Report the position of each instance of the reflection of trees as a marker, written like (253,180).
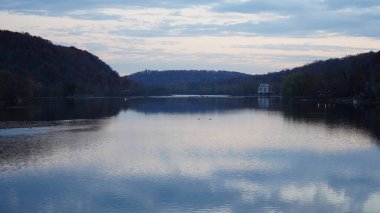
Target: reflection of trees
(64,109)
(199,105)
(21,150)
(365,117)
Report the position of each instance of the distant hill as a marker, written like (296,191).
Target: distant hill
(187,82)
(349,77)
(175,77)
(32,66)
(200,82)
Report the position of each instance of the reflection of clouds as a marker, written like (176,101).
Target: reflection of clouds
(46,147)
(150,164)
(308,194)
(139,160)
(267,161)
(373,203)
(161,145)
(293,193)
(222,209)
(332,196)
(244,130)
(248,189)
(317,193)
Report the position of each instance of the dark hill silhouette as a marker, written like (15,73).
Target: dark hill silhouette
(351,77)
(174,77)
(355,76)
(188,82)
(32,66)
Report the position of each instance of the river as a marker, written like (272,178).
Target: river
(189,154)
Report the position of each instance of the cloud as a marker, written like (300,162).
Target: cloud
(62,7)
(250,36)
(311,17)
(372,204)
(338,4)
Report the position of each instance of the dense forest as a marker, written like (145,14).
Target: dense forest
(352,77)
(200,82)
(175,77)
(356,77)
(150,82)
(34,67)
(31,66)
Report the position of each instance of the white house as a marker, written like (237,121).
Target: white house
(264,88)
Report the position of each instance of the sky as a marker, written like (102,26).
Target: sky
(251,36)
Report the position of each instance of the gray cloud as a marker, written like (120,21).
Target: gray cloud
(356,18)
(306,18)
(338,4)
(292,19)
(61,7)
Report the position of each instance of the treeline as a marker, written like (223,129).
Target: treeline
(13,86)
(175,77)
(151,82)
(200,82)
(31,66)
(34,67)
(355,77)
(351,77)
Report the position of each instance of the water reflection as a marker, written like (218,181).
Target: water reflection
(365,118)
(186,155)
(197,105)
(63,109)
(25,148)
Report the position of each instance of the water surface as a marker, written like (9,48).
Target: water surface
(212,154)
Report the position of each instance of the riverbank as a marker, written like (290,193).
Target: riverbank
(348,100)
(35,124)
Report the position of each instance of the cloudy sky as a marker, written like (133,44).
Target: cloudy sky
(252,36)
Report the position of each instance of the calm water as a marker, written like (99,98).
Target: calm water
(189,155)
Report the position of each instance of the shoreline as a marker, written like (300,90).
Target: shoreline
(33,124)
(350,100)
(27,124)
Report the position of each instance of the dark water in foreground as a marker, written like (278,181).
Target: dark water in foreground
(190,155)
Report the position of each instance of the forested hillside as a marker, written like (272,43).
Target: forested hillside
(175,77)
(352,76)
(34,67)
(31,66)
(190,82)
